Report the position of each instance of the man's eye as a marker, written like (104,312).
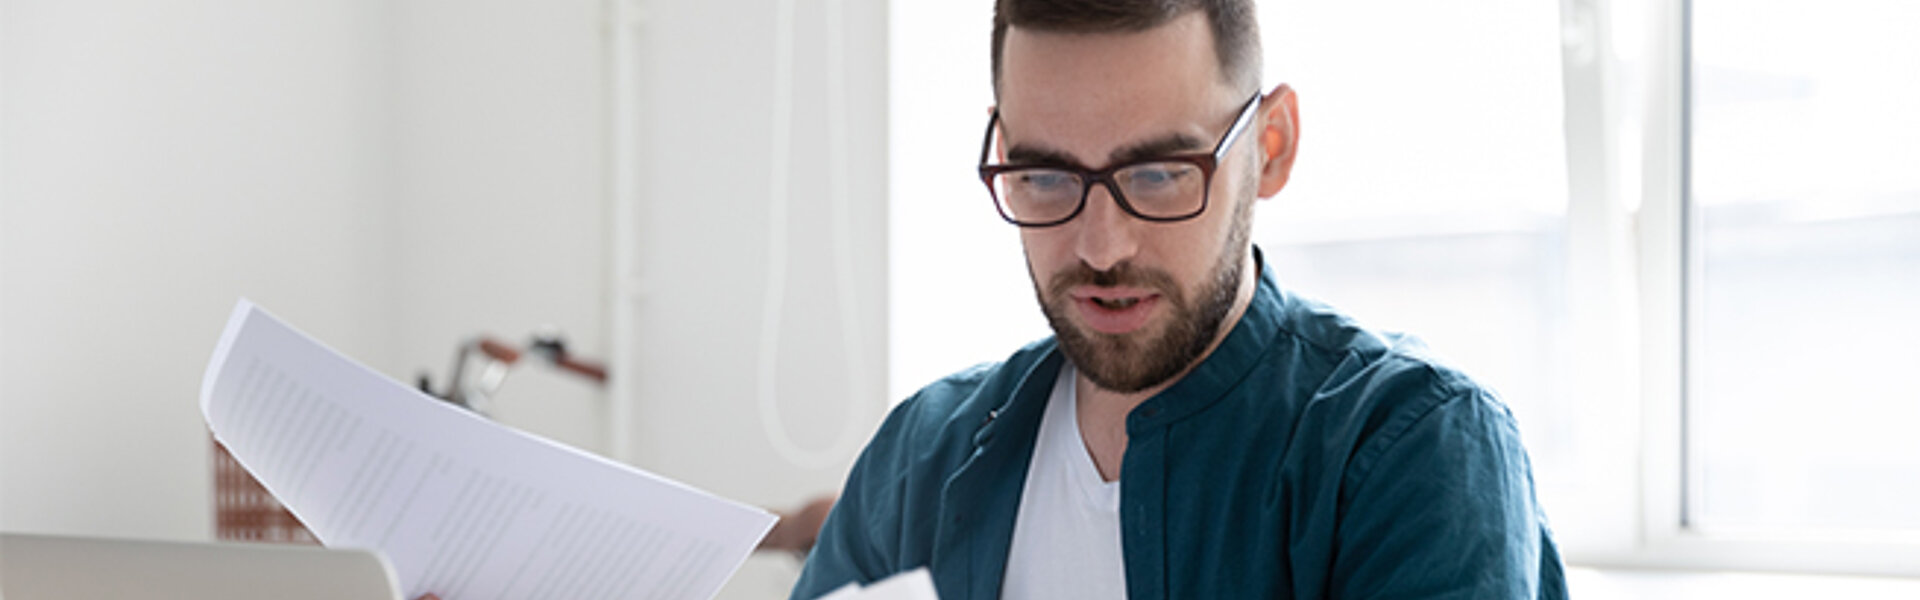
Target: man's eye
(1155,176)
(1043,180)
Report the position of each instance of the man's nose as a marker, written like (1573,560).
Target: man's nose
(1106,235)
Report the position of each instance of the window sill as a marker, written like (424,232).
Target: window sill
(1589,583)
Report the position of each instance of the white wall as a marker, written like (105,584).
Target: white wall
(390,177)
(500,171)
(704,234)
(708,247)
(162,159)
(394,177)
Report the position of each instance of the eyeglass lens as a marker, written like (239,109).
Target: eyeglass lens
(1160,190)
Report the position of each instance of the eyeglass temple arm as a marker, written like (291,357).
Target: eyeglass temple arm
(1240,125)
(986,146)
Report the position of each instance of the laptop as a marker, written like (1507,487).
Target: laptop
(44,567)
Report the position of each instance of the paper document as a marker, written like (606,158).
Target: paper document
(463,507)
(911,585)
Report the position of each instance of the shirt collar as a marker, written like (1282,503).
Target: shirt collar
(1229,362)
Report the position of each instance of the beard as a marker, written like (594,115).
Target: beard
(1139,360)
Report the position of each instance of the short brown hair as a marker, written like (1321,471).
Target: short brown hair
(1236,31)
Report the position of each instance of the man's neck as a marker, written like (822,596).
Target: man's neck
(1102,413)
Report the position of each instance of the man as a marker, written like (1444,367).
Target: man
(1191,430)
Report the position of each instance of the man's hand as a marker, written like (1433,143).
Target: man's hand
(797,529)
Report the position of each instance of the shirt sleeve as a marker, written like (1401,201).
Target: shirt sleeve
(1442,506)
(859,541)
(844,552)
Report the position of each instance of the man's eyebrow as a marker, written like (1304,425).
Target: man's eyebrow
(1166,145)
(1021,154)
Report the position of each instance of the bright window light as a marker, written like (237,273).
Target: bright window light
(1806,194)
(1430,192)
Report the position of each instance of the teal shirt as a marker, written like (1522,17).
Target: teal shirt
(1304,458)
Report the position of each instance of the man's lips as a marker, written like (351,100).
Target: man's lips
(1088,292)
(1114,310)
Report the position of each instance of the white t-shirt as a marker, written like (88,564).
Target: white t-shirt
(1066,541)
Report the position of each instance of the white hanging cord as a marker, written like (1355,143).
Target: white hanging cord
(778,244)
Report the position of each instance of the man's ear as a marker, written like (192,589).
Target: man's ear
(1279,135)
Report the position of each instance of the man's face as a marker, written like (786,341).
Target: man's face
(1133,302)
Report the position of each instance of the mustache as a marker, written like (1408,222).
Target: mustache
(1121,274)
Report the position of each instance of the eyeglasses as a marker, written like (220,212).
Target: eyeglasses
(1160,189)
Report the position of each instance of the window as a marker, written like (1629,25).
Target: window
(1430,192)
(1805,201)
(1764,148)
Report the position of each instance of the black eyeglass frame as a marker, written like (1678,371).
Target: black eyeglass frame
(1207,162)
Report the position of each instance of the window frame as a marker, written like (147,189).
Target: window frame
(1661,237)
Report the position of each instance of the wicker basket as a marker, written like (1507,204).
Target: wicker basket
(245,511)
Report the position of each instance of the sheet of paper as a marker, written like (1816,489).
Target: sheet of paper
(911,585)
(463,507)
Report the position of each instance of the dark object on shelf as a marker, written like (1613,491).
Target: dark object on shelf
(481,364)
